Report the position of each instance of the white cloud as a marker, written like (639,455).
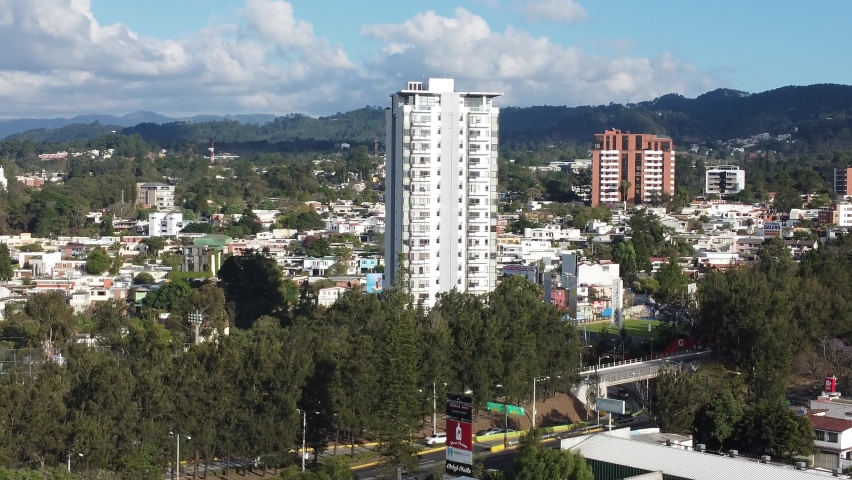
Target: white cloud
(529,70)
(59,60)
(557,11)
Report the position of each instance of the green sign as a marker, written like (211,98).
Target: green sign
(499,407)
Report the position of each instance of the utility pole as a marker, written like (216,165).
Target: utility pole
(304,434)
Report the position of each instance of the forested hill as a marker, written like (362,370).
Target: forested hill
(821,113)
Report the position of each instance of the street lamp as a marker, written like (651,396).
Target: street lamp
(69,460)
(601,358)
(196,318)
(177,455)
(304,434)
(505,416)
(435,409)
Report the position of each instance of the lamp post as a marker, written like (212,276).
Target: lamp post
(177,454)
(536,380)
(601,358)
(304,435)
(505,417)
(196,318)
(435,409)
(69,460)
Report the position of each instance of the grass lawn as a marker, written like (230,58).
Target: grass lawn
(634,327)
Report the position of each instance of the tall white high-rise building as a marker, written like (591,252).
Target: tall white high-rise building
(441,189)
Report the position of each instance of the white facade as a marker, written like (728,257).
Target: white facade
(327,296)
(441,189)
(4,183)
(155,195)
(161,224)
(724,180)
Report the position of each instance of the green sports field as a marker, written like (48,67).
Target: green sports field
(634,327)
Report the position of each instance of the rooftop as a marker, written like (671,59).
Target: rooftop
(681,463)
(830,424)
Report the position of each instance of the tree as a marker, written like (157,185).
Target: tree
(154,244)
(166,296)
(679,395)
(6,271)
(115,264)
(144,278)
(252,281)
(786,199)
(535,461)
(624,186)
(672,282)
(625,256)
(97,262)
(399,412)
(717,421)
(770,427)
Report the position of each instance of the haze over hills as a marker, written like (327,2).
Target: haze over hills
(818,112)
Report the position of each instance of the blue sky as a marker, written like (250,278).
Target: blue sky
(322,56)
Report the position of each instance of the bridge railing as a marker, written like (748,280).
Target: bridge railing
(679,353)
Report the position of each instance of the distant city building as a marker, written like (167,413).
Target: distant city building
(724,180)
(839,214)
(155,195)
(4,183)
(645,161)
(53,156)
(199,258)
(842,186)
(162,224)
(441,189)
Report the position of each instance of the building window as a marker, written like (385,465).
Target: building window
(832,437)
(638,142)
(625,142)
(820,435)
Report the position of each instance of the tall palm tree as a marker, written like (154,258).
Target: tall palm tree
(624,187)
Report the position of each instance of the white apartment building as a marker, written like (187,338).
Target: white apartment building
(163,224)
(155,195)
(441,189)
(724,180)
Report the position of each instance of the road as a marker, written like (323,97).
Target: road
(498,460)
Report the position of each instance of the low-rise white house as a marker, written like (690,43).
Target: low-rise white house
(327,296)
(162,224)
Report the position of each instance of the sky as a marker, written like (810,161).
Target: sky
(318,57)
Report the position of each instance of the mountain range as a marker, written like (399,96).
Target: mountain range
(816,113)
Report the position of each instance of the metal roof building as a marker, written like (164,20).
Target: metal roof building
(614,458)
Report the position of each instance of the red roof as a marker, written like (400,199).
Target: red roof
(830,424)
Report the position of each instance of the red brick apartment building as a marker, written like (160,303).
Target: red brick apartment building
(644,160)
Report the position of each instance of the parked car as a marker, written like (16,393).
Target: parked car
(489,431)
(436,438)
(623,393)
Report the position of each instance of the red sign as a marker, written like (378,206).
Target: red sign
(829,386)
(459,435)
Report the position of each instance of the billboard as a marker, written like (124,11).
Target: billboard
(374,283)
(459,430)
(610,405)
(459,408)
(772,229)
(459,456)
(528,271)
(459,435)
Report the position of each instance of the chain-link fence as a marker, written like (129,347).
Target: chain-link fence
(26,361)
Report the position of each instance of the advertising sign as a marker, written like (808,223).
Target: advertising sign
(610,405)
(459,456)
(830,385)
(499,407)
(459,435)
(772,229)
(459,408)
(457,468)
(374,283)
